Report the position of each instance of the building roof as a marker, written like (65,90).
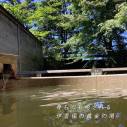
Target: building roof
(16,21)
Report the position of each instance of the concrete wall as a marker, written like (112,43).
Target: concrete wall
(103,82)
(15,40)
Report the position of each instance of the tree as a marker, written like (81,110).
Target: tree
(21,10)
(54,27)
(73,29)
(101,32)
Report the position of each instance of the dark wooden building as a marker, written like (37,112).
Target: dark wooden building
(18,46)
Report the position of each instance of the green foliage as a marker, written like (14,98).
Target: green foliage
(70,29)
(20,10)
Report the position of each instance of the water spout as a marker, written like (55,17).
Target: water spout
(93,70)
(5,78)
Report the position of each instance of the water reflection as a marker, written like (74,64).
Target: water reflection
(62,107)
(7,110)
(6,103)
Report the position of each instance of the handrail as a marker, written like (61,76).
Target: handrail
(92,71)
(56,71)
(115,69)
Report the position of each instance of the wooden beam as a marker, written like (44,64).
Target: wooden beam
(8,58)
